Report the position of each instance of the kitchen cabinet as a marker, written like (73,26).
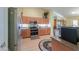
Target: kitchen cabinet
(48,31)
(45,21)
(26,20)
(25,33)
(44,31)
(41,32)
(40,21)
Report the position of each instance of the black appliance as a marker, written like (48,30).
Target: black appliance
(70,34)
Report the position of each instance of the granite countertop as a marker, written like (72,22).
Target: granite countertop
(66,43)
(38,28)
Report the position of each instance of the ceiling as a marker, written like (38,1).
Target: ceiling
(67,11)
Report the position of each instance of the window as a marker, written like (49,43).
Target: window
(75,23)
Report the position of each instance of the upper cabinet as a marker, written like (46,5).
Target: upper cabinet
(27,20)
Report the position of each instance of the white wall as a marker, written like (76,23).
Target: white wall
(3,28)
(69,20)
(33,12)
(58,15)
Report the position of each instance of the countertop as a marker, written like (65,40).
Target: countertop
(38,28)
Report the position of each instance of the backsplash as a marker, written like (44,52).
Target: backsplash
(26,26)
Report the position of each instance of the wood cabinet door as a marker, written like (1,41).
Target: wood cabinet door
(41,32)
(45,21)
(48,31)
(40,21)
(44,31)
(26,20)
(25,33)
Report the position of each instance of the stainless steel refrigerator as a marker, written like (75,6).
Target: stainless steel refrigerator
(13,29)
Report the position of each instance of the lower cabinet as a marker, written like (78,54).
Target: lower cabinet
(44,31)
(25,33)
(41,32)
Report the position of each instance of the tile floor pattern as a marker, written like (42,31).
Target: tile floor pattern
(31,45)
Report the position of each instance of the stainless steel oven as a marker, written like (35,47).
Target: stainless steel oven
(33,29)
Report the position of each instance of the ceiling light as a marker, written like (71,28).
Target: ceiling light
(73,12)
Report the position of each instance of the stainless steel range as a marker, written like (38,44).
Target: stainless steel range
(33,29)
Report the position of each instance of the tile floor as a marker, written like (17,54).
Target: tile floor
(31,45)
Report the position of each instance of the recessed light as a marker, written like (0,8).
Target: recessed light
(73,12)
